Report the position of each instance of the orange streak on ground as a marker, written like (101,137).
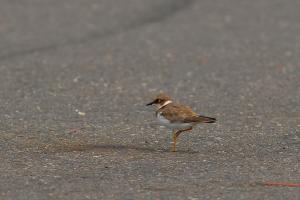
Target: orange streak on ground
(280,184)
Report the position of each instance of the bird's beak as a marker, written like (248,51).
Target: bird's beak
(148,104)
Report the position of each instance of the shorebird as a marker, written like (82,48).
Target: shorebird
(177,117)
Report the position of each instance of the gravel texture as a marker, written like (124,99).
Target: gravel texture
(75,76)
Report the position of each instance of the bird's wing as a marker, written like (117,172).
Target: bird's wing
(179,113)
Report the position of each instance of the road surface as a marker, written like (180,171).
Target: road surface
(75,77)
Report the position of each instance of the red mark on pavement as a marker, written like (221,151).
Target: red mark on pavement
(281,184)
(203,60)
(281,68)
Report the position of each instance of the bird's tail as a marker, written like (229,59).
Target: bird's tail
(207,119)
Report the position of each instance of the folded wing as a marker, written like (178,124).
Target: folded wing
(180,113)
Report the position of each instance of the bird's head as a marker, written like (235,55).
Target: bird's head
(160,100)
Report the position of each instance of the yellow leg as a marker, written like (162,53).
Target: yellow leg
(174,141)
(175,136)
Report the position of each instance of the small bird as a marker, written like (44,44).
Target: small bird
(177,117)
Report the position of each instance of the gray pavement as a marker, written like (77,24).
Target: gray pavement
(75,76)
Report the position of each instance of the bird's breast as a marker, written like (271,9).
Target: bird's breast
(172,125)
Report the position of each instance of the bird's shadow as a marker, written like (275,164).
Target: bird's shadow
(113,148)
(138,148)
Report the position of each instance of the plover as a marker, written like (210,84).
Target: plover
(177,117)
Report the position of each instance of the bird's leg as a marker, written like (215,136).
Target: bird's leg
(175,135)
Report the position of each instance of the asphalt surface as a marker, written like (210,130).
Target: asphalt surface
(75,77)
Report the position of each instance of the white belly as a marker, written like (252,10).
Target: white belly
(174,126)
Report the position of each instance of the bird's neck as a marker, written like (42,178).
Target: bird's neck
(164,104)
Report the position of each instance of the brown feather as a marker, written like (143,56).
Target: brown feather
(206,119)
(179,113)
